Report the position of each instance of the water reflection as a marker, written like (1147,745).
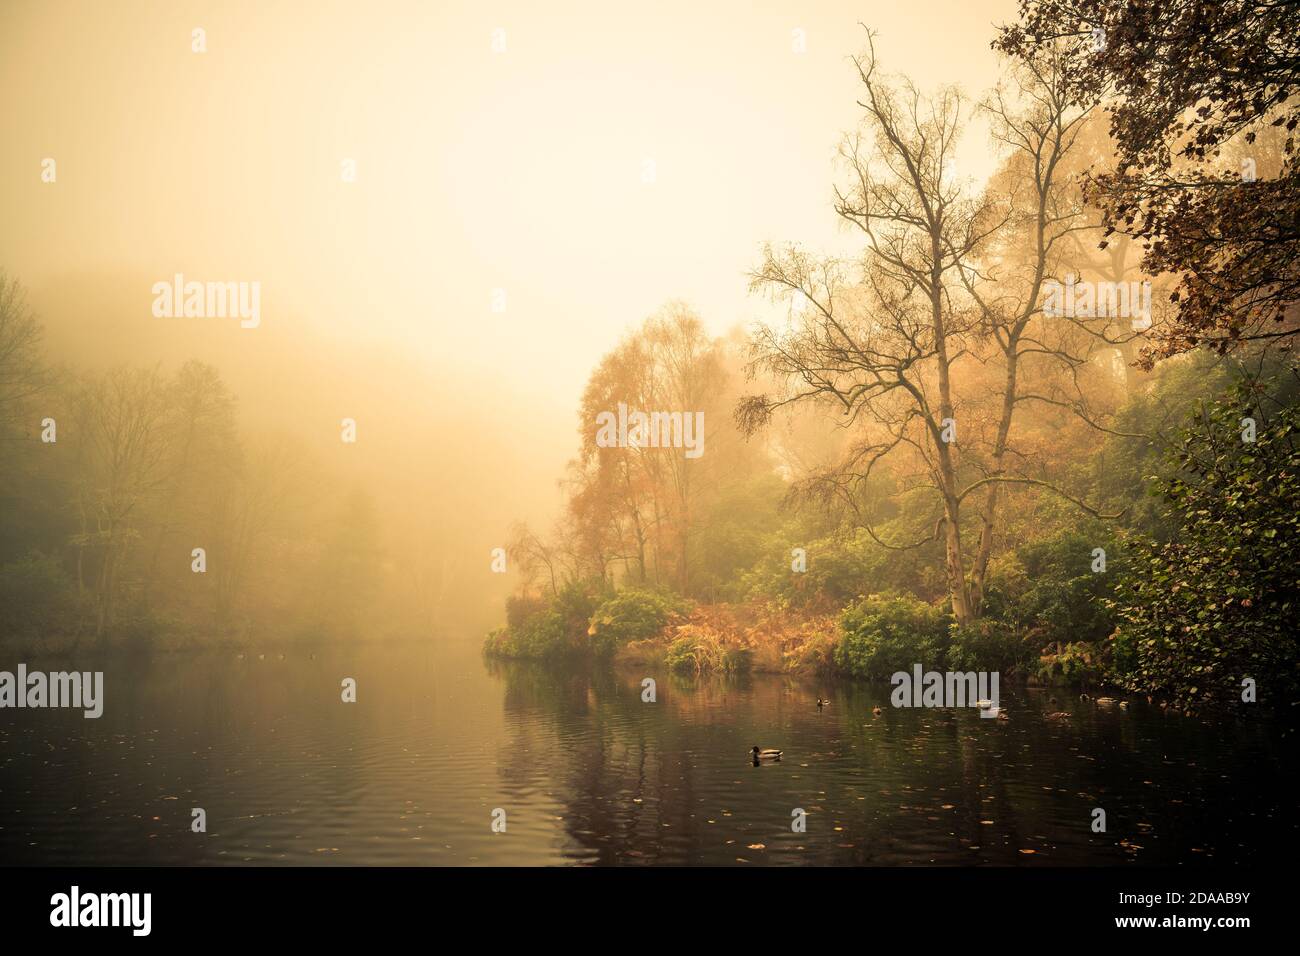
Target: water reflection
(588,772)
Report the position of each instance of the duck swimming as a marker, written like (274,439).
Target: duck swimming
(822,703)
(876,711)
(764,754)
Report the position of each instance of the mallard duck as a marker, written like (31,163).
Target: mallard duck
(764,754)
(1123,705)
(822,703)
(876,711)
(1002,715)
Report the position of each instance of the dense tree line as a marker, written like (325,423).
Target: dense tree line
(114,480)
(967,463)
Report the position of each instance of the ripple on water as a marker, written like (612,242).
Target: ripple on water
(587,773)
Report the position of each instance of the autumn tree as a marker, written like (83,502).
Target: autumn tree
(943,312)
(882,344)
(635,503)
(1190,85)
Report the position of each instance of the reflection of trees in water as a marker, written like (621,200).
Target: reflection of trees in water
(606,762)
(632,775)
(627,771)
(635,779)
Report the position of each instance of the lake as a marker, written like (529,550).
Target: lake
(587,773)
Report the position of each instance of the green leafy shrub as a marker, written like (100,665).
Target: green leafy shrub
(545,635)
(497,642)
(988,645)
(631,615)
(836,565)
(1065,599)
(1077,662)
(555,629)
(521,607)
(576,602)
(885,633)
(540,636)
(1220,601)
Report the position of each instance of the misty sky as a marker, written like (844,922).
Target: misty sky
(476,170)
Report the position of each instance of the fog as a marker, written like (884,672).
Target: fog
(449,225)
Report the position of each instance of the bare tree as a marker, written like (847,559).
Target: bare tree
(22,373)
(1039,208)
(122,423)
(883,346)
(533,556)
(948,287)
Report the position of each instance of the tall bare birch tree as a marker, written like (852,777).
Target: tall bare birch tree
(900,341)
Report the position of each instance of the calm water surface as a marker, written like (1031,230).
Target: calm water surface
(588,773)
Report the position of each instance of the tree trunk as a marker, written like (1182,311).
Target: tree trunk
(980,570)
(955,564)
